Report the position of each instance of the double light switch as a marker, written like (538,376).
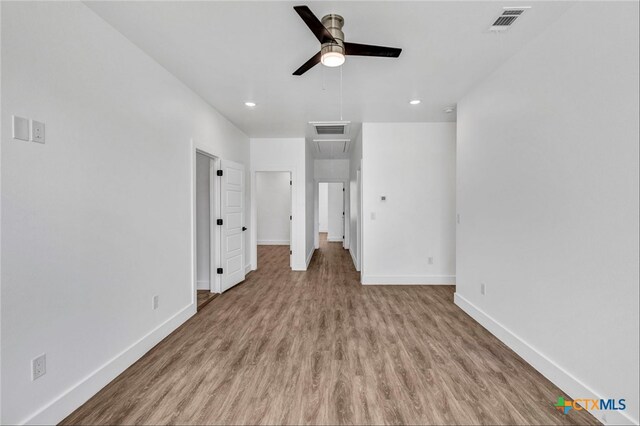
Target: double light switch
(28,130)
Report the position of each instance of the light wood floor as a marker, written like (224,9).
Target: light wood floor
(316,347)
(204,297)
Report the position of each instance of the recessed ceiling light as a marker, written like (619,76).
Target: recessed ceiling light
(449,110)
(415,101)
(250,104)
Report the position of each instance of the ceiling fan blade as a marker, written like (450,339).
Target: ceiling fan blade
(320,31)
(315,59)
(369,50)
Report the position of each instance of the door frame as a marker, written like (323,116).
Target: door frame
(215,246)
(254,212)
(359,220)
(345,206)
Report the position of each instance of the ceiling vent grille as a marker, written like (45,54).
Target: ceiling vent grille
(331,127)
(507,18)
(330,130)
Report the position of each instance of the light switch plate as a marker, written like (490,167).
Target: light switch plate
(37,131)
(20,128)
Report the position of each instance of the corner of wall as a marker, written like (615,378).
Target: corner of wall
(55,411)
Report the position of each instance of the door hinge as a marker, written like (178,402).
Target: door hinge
(290,217)
(342,189)
(219,173)
(219,222)
(290,252)
(219,271)
(290,182)
(244,228)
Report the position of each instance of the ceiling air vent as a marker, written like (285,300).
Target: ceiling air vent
(508,17)
(331,127)
(332,147)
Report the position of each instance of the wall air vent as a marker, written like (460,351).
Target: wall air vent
(331,127)
(508,17)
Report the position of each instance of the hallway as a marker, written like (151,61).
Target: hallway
(316,347)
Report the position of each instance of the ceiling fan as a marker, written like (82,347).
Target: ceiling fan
(333,47)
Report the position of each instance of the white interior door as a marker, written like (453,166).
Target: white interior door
(291,220)
(344,227)
(232,212)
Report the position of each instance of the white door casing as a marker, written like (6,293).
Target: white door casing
(232,214)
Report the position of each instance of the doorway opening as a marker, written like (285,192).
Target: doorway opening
(274,216)
(219,226)
(331,212)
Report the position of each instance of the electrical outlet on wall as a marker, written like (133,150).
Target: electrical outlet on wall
(38,367)
(37,131)
(483,289)
(154,302)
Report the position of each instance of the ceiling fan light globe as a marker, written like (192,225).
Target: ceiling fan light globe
(332,59)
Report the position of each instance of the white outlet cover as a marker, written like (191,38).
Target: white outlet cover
(37,131)
(20,128)
(39,367)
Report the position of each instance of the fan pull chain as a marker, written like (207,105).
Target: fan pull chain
(340,93)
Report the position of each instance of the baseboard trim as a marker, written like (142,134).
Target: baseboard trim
(552,371)
(408,279)
(273,242)
(203,285)
(63,405)
(247,269)
(309,257)
(353,258)
(334,239)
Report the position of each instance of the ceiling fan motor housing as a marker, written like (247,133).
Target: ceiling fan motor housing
(334,24)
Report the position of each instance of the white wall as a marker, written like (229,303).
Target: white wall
(355,206)
(548,198)
(323,207)
(203,220)
(413,165)
(310,203)
(273,196)
(331,169)
(1,133)
(287,154)
(335,207)
(100,218)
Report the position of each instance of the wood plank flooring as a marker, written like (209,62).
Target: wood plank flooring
(204,297)
(316,347)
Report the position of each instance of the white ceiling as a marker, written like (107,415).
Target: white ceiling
(232,52)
